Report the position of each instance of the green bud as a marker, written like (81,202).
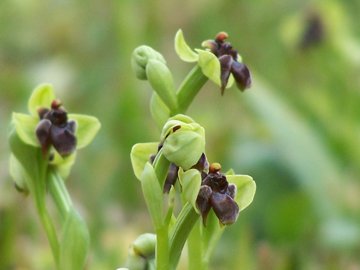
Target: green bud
(140,58)
(135,262)
(144,245)
(160,78)
(184,142)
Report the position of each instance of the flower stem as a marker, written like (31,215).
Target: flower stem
(182,228)
(196,249)
(161,167)
(189,88)
(162,248)
(59,193)
(39,198)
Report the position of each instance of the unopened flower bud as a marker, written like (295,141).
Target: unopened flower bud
(140,58)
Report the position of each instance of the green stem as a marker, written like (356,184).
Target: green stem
(189,88)
(196,250)
(162,248)
(182,228)
(40,202)
(161,167)
(59,193)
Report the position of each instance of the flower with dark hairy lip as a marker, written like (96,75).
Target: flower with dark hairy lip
(55,130)
(229,62)
(216,193)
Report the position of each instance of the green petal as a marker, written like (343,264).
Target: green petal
(25,126)
(230,81)
(182,48)
(140,155)
(74,243)
(86,130)
(153,194)
(190,181)
(41,97)
(63,164)
(210,65)
(246,188)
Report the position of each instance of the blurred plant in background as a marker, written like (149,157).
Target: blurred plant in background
(296,131)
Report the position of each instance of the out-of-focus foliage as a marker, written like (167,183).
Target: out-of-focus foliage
(296,131)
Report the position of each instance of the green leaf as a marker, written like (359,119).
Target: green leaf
(18,173)
(161,80)
(246,188)
(153,194)
(190,181)
(25,126)
(86,130)
(41,97)
(210,65)
(182,48)
(159,111)
(140,155)
(74,243)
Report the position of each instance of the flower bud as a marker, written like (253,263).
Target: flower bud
(140,58)
(144,245)
(160,78)
(184,143)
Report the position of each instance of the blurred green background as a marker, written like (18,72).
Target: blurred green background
(296,131)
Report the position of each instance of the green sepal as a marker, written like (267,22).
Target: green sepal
(140,155)
(210,65)
(41,97)
(25,126)
(159,111)
(74,243)
(161,80)
(18,174)
(86,129)
(153,194)
(29,156)
(182,48)
(245,189)
(190,181)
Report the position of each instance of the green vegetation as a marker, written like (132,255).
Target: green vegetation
(295,131)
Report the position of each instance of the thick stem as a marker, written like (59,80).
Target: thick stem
(182,228)
(189,88)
